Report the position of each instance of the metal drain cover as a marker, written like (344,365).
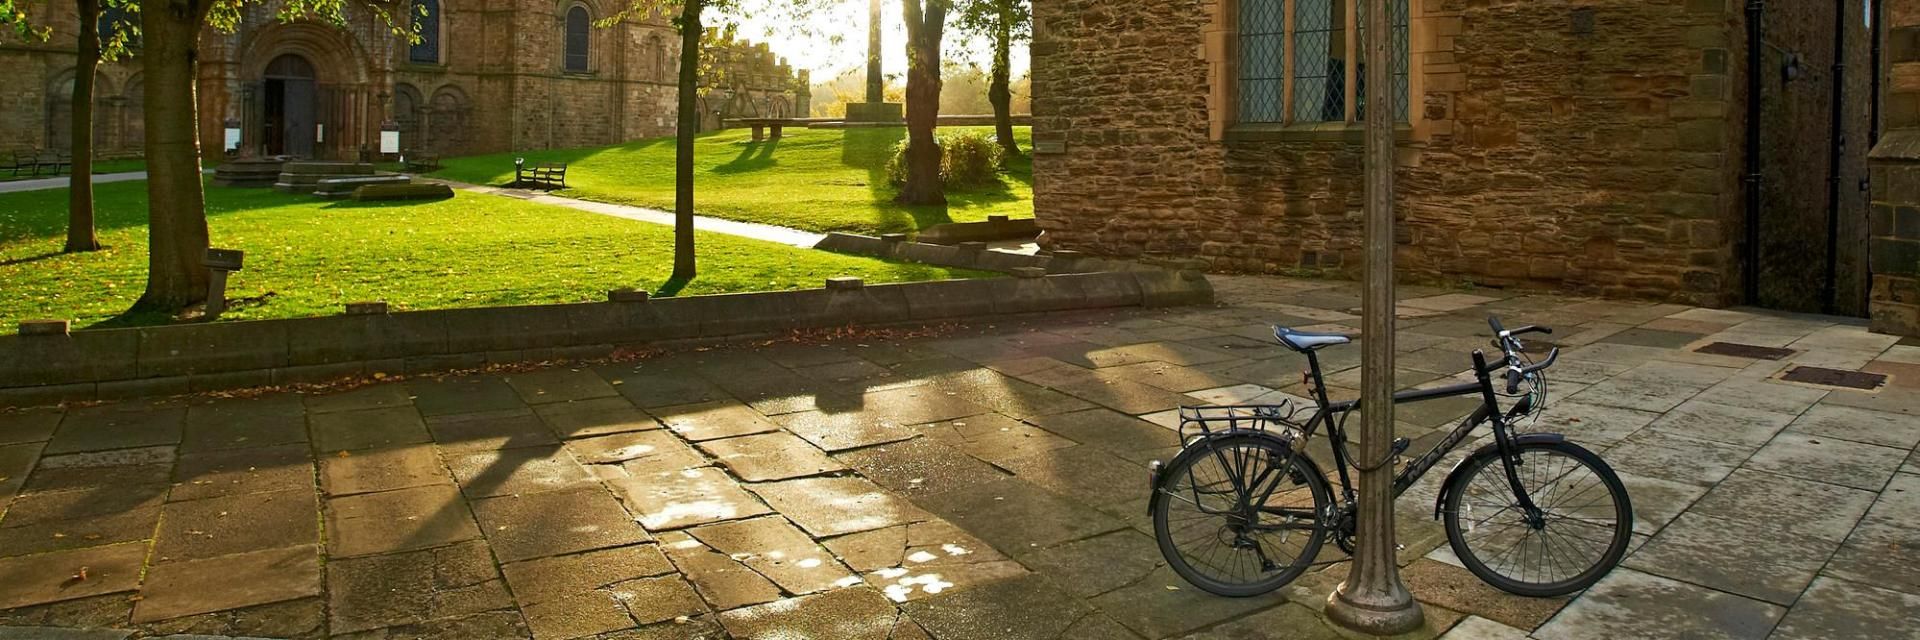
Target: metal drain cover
(1738,350)
(1835,378)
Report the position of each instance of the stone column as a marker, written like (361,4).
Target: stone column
(1893,250)
(876,108)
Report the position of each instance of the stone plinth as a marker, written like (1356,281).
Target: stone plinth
(876,112)
(248,172)
(305,177)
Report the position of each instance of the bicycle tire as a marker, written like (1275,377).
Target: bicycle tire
(1219,452)
(1575,533)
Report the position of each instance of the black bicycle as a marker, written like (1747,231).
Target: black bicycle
(1243,510)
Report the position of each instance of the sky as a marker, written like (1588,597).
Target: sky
(835,40)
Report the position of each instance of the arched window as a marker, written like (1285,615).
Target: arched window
(578,22)
(657,53)
(426,14)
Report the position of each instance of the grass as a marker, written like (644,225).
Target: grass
(814,179)
(99,167)
(308,257)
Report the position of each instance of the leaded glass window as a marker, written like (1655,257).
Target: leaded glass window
(577,39)
(1297,64)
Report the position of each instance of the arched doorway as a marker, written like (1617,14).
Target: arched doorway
(288,125)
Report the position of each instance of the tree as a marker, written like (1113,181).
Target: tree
(96,20)
(926,25)
(1003,22)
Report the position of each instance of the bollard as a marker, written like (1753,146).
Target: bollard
(219,263)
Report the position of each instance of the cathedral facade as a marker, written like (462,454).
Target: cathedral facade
(483,76)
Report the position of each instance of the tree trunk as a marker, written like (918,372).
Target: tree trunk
(1000,91)
(176,203)
(80,233)
(690,32)
(924,30)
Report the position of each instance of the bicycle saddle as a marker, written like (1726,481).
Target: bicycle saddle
(1304,341)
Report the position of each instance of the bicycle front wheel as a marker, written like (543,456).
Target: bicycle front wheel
(1240,515)
(1583,528)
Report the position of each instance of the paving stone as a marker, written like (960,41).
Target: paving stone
(54,535)
(1477,628)
(1860,425)
(714,420)
(919,466)
(401,520)
(516,471)
(993,438)
(102,470)
(414,587)
(1841,609)
(777,550)
(1006,395)
(375,396)
(53,577)
(57,633)
(1722,423)
(1299,622)
(596,417)
(723,582)
(1171,377)
(1824,511)
(1120,434)
(367,429)
(35,425)
(1100,564)
(53,506)
(1646,392)
(653,450)
(1663,455)
(576,616)
(492,624)
(243,423)
(835,506)
(1880,552)
(559,385)
(684,497)
(488,431)
(648,385)
(117,427)
(658,599)
(178,589)
(1657,502)
(1083,473)
(1744,558)
(1899,503)
(1764,395)
(1647,337)
(698,628)
(1150,609)
(770,456)
(1018,517)
(538,525)
(238,523)
(1832,460)
(1025,607)
(842,431)
(224,473)
(1629,603)
(559,577)
(843,614)
(463,394)
(374,470)
(1120,395)
(16,461)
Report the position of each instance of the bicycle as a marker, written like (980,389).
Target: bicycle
(1242,484)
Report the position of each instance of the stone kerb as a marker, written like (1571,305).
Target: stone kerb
(45,367)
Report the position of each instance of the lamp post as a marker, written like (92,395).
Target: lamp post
(1372,599)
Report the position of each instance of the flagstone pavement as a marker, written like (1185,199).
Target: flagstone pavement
(984,482)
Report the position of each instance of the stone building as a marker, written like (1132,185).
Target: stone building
(1597,146)
(1894,248)
(486,75)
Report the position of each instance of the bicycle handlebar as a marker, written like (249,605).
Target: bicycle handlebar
(1504,338)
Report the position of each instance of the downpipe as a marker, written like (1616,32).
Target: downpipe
(1755,49)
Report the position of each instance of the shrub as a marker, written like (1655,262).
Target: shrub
(966,159)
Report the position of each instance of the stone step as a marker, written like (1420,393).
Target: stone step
(343,187)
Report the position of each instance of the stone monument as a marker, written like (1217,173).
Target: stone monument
(876,108)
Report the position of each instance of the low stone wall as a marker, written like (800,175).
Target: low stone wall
(992,229)
(44,367)
(976,255)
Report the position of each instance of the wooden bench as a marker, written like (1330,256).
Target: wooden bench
(552,175)
(54,162)
(760,125)
(421,161)
(24,161)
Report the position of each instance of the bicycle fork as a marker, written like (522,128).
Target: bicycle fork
(1509,456)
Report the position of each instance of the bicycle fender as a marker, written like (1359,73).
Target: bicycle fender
(1491,448)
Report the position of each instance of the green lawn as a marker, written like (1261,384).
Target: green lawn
(309,257)
(814,179)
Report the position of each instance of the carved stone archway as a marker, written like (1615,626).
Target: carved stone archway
(346,102)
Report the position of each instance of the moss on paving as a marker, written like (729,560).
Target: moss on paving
(308,257)
(814,179)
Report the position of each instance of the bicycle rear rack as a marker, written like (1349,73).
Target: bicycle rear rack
(1203,421)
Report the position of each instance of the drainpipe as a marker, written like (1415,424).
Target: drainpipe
(1755,52)
(1873,75)
(1836,148)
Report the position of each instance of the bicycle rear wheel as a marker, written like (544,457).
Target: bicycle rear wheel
(1584,527)
(1232,521)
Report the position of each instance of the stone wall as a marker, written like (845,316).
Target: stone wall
(1894,246)
(1588,146)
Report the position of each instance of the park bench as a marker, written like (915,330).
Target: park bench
(34,162)
(24,161)
(552,175)
(760,125)
(54,162)
(421,161)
